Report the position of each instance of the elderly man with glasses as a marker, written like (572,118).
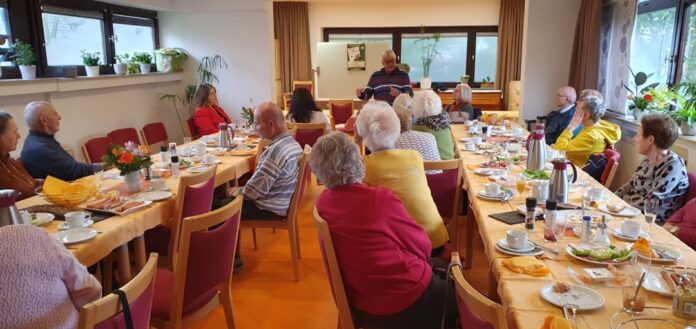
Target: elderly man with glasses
(559,119)
(387,83)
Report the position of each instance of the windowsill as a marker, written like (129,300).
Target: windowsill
(632,125)
(52,85)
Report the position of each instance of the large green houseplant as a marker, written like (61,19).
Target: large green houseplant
(428,45)
(685,114)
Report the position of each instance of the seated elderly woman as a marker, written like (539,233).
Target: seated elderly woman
(662,174)
(400,170)
(462,102)
(427,109)
(404,100)
(48,287)
(12,173)
(382,252)
(422,142)
(595,135)
(683,224)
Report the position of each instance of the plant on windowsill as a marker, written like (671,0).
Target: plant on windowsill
(663,98)
(121,66)
(640,97)
(486,83)
(170,59)
(685,114)
(428,45)
(91,61)
(144,59)
(24,56)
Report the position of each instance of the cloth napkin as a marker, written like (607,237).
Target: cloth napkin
(555,322)
(526,265)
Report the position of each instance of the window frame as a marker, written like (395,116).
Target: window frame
(397,33)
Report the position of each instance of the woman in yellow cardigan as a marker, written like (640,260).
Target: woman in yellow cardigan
(400,170)
(595,135)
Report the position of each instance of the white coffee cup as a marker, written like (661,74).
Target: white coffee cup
(158,183)
(597,193)
(476,140)
(209,159)
(540,190)
(630,228)
(200,149)
(469,146)
(76,218)
(516,239)
(514,147)
(492,189)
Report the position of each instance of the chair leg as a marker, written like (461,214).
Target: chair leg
(253,234)
(226,301)
(107,265)
(470,218)
(297,239)
(294,252)
(274,230)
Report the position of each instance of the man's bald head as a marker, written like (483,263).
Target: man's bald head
(565,96)
(42,116)
(269,120)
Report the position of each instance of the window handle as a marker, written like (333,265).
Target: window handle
(669,59)
(113,38)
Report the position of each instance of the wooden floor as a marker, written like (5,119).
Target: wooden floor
(264,294)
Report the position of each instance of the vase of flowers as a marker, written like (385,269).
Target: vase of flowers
(640,98)
(91,61)
(128,159)
(170,59)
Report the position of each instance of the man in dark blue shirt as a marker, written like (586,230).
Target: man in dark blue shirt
(558,120)
(386,83)
(42,155)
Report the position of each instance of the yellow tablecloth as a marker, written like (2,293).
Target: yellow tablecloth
(519,293)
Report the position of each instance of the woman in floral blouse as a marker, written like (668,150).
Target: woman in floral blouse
(662,174)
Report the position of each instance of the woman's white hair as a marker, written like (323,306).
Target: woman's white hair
(465,92)
(378,125)
(426,103)
(336,160)
(404,100)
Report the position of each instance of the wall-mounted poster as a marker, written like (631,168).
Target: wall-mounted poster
(356,57)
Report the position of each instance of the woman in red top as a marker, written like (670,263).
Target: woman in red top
(208,114)
(12,173)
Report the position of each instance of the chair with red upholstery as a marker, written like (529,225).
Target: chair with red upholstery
(610,168)
(691,193)
(124,135)
(476,311)
(154,134)
(197,191)
(341,111)
(446,187)
(193,132)
(107,312)
(307,133)
(202,276)
(95,148)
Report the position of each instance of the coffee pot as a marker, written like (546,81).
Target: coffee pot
(536,158)
(559,181)
(223,138)
(8,212)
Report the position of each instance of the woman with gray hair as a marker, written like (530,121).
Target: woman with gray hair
(422,142)
(462,102)
(427,109)
(400,170)
(382,252)
(595,135)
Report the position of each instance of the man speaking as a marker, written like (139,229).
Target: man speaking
(386,83)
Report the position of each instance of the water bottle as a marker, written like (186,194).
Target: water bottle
(175,166)
(164,155)
(585,228)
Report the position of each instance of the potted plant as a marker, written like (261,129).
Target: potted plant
(428,45)
(685,114)
(404,67)
(640,97)
(91,61)
(486,83)
(121,66)
(144,59)
(128,159)
(23,55)
(464,79)
(248,115)
(170,59)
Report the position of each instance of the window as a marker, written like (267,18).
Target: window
(360,38)
(449,63)
(688,72)
(67,32)
(5,36)
(486,56)
(652,43)
(133,34)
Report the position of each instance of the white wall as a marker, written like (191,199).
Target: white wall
(242,37)
(549,29)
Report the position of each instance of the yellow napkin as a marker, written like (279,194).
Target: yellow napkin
(555,322)
(69,194)
(526,265)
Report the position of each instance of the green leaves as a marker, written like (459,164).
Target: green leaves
(23,53)
(90,59)
(142,58)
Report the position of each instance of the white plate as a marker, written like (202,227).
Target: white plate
(483,171)
(626,212)
(481,152)
(502,243)
(505,182)
(569,251)
(654,282)
(156,195)
(667,250)
(482,194)
(474,150)
(42,218)
(535,252)
(128,211)
(585,298)
(198,169)
(150,189)
(76,235)
(575,216)
(522,209)
(208,164)
(64,226)
(618,234)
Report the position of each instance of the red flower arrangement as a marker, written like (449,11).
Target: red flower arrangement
(127,159)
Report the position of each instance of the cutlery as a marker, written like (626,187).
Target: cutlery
(574,310)
(553,251)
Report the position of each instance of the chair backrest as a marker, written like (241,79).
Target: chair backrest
(445,187)
(107,312)
(476,311)
(154,133)
(197,192)
(263,144)
(345,317)
(206,257)
(307,133)
(303,177)
(124,135)
(192,131)
(610,168)
(95,148)
(691,193)
(306,84)
(341,110)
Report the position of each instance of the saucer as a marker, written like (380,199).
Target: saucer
(76,235)
(529,247)
(156,195)
(151,189)
(535,252)
(64,226)
(198,169)
(482,194)
(619,234)
(483,171)
(211,163)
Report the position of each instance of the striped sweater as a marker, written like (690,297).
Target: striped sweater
(380,85)
(273,182)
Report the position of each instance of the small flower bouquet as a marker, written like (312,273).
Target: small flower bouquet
(641,99)
(128,159)
(170,59)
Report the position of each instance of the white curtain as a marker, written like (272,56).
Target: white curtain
(618,18)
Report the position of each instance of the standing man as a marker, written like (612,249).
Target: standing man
(386,83)
(559,119)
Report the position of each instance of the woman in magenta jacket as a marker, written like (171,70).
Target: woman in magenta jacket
(208,114)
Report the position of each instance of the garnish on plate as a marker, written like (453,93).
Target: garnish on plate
(536,174)
(608,254)
(561,287)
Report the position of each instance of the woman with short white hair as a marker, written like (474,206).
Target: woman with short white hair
(462,102)
(427,109)
(400,170)
(404,100)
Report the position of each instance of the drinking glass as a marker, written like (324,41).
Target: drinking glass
(559,227)
(632,303)
(650,209)
(187,140)
(587,197)
(521,184)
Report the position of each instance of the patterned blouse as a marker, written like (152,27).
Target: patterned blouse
(665,180)
(422,142)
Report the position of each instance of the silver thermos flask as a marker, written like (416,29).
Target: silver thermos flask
(536,157)
(8,212)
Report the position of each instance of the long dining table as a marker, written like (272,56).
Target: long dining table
(520,293)
(115,233)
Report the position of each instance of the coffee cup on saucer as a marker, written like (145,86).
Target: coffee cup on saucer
(630,229)
(77,218)
(514,147)
(469,146)
(209,159)
(158,184)
(516,239)
(200,149)
(492,189)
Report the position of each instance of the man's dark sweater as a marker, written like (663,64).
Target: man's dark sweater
(42,156)
(556,123)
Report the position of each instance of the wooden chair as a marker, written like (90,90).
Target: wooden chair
(476,311)
(124,135)
(611,167)
(203,274)
(290,221)
(287,98)
(306,84)
(345,317)
(95,148)
(341,110)
(446,189)
(192,131)
(154,135)
(107,312)
(307,133)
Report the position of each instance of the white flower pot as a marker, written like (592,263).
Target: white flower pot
(92,71)
(639,114)
(688,129)
(144,68)
(28,72)
(121,68)
(425,83)
(132,181)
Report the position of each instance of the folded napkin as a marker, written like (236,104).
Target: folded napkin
(526,265)
(555,322)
